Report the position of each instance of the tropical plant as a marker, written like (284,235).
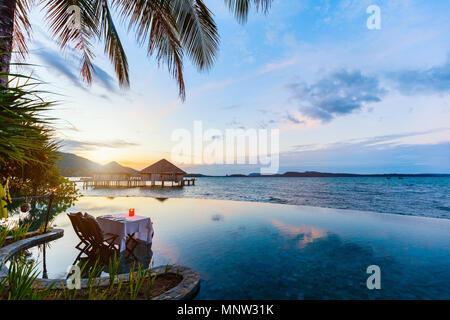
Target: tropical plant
(28,150)
(136,280)
(24,131)
(20,282)
(19,232)
(149,282)
(169,29)
(16,231)
(113,267)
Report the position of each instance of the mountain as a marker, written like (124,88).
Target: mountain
(72,165)
(115,168)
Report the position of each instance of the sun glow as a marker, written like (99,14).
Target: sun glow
(103,155)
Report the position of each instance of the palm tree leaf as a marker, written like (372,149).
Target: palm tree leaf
(22,28)
(154,24)
(113,46)
(81,38)
(241,8)
(198,31)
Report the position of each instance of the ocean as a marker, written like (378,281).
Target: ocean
(427,197)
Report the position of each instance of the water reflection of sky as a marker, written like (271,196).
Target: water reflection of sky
(271,251)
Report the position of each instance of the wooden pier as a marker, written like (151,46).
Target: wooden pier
(135,183)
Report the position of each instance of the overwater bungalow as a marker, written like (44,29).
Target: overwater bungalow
(164,171)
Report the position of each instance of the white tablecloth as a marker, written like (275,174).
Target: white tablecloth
(141,226)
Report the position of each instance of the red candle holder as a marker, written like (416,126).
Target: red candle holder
(131,212)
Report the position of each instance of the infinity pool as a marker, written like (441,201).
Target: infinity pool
(245,250)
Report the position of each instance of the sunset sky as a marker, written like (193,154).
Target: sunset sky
(345,98)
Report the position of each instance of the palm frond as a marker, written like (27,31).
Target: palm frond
(154,24)
(198,31)
(241,8)
(113,45)
(22,28)
(81,38)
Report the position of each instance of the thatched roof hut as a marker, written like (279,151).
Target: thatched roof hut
(162,170)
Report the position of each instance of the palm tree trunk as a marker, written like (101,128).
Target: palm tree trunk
(7,10)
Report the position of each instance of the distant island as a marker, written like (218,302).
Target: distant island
(72,165)
(316,174)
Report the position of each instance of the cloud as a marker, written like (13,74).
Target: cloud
(352,158)
(274,66)
(293,119)
(104,79)
(61,66)
(432,80)
(75,145)
(380,142)
(66,67)
(339,94)
(402,152)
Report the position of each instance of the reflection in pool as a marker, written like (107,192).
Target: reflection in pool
(270,251)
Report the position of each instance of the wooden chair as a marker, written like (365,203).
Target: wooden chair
(130,245)
(84,246)
(103,244)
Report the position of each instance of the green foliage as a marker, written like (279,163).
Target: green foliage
(149,281)
(167,268)
(113,268)
(20,231)
(28,150)
(136,280)
(24,130)
(16,231)
(21,282)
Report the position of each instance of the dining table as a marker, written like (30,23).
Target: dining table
(127,228)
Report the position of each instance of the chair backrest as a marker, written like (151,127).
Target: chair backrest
(76,220)
(95,231)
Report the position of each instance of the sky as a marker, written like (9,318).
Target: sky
(345,98)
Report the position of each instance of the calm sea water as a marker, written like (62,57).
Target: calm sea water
(248,250)
(428,197)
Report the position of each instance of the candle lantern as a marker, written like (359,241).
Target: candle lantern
(131,212)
